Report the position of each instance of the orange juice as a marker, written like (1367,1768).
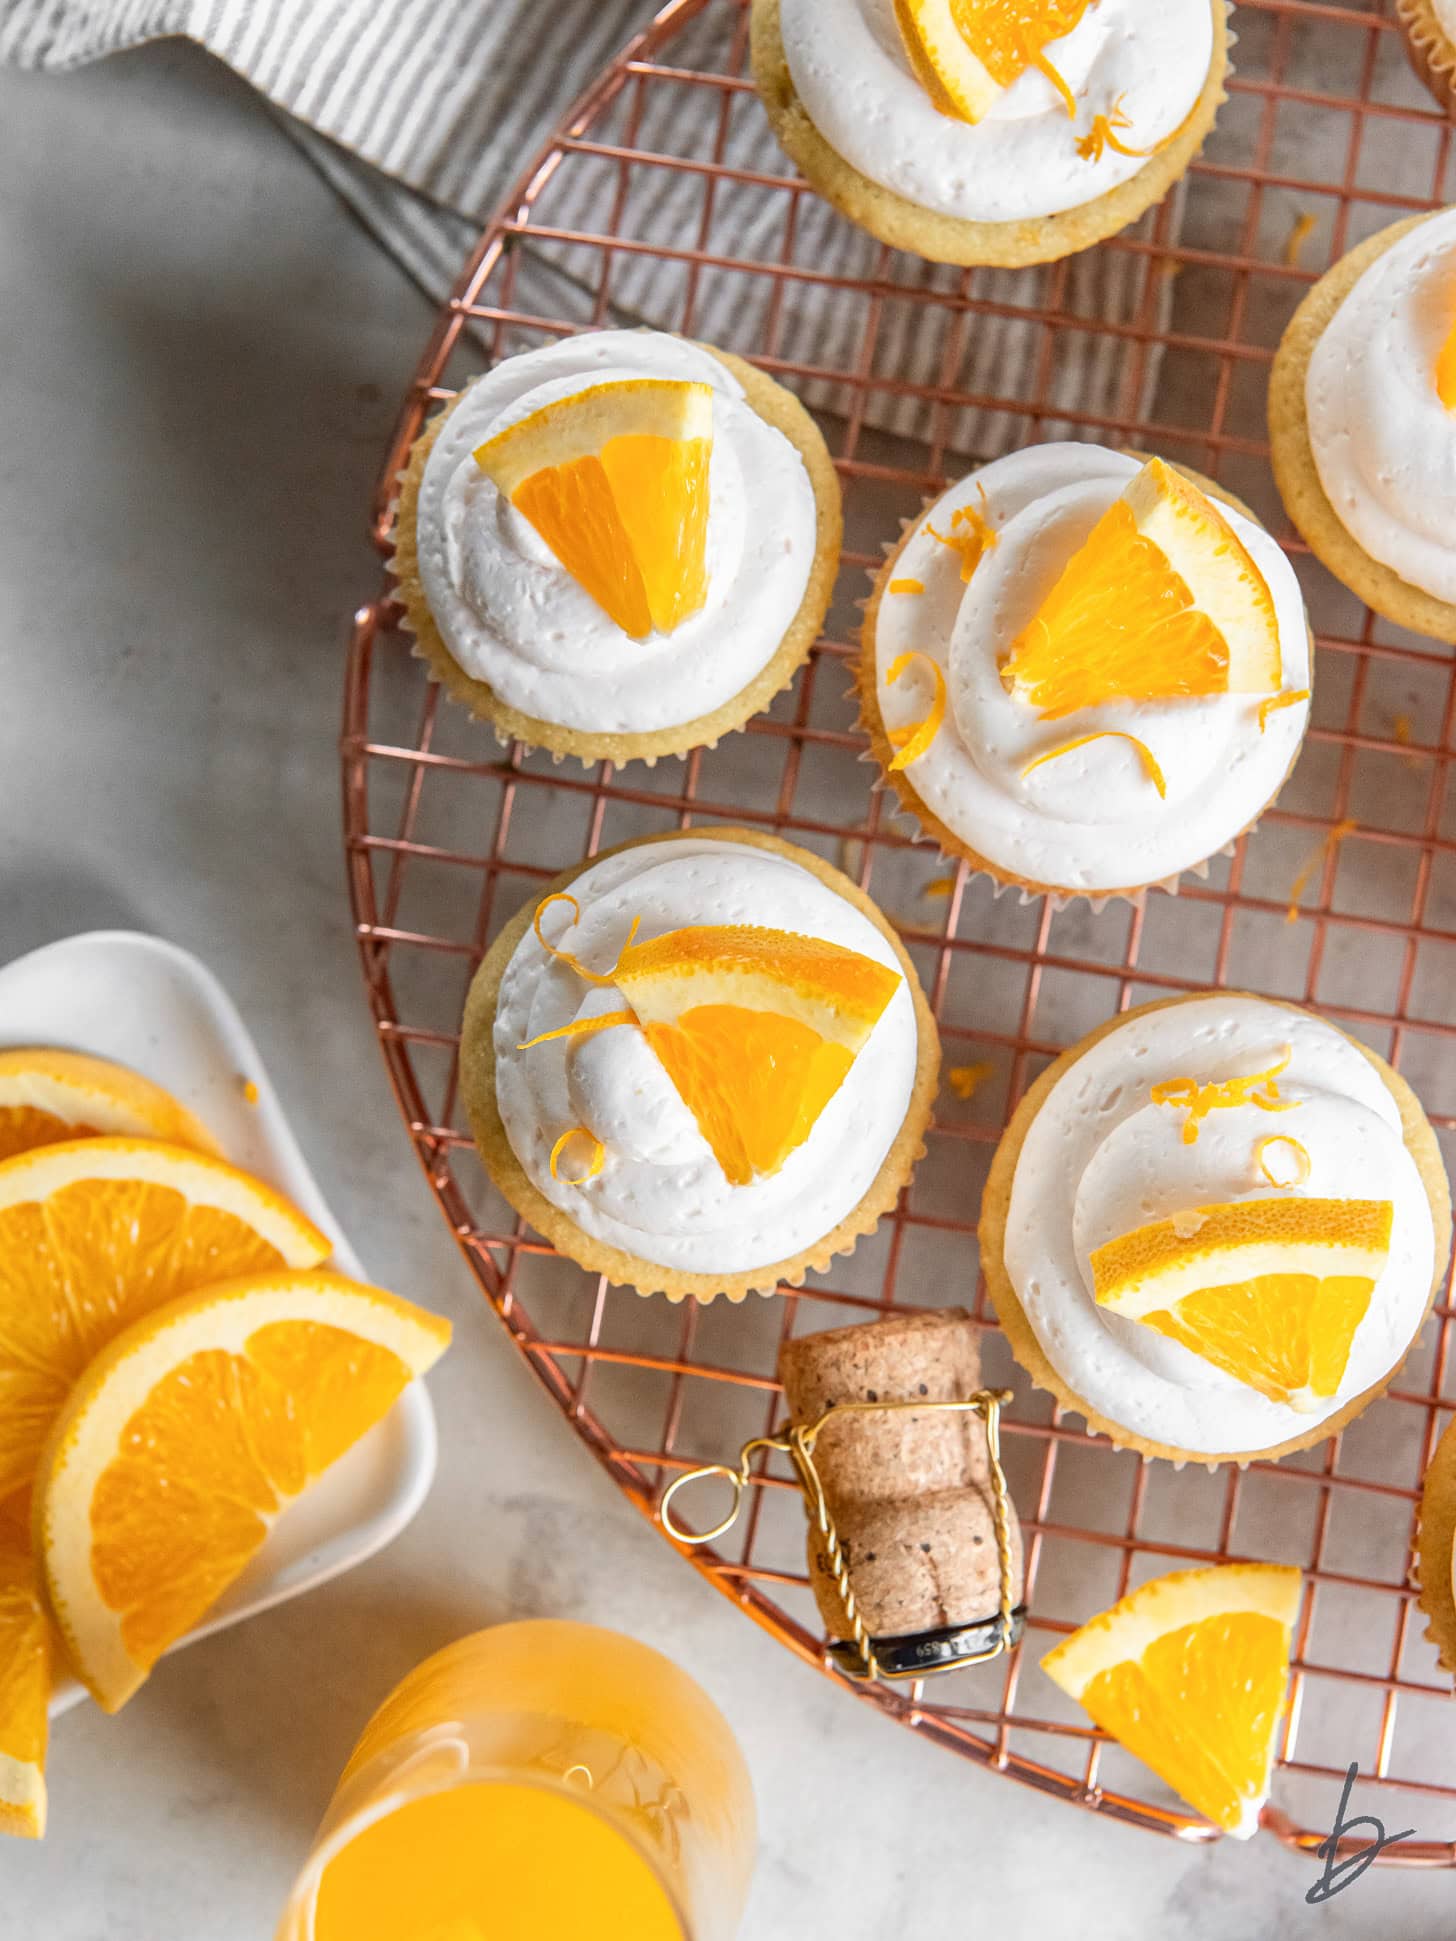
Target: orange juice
(539,1782)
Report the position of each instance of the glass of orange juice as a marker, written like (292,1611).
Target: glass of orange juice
(541,1781)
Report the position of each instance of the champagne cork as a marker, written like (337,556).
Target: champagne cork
(910,1494)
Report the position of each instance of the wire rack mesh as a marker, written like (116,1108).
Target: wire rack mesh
(662,197)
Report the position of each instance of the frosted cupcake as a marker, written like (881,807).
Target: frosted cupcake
(1430,28)
(700,1064)
(1082,674)
(1362,422)
(975,131)
(619,546)
(1215,1227)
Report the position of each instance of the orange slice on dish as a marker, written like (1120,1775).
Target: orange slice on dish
(1161,600)
(756,1029)
(96,1232)
(47,1095)
(615,480)
(965,52)
(25,1682)
(1270,1291)
(185,1440)
(1446,371)
(1189,1674)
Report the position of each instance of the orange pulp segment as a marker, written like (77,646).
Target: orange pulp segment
(48,1095)
(965,52)
(1446,370)
(615,480)
(185,1439)
(25,1683)
(756,1028)
(1160,600)
(1270,1291)
(94,1233)
(1189,1674)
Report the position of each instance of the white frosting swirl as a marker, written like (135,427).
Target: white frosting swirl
(851,72)
(1384,444)
(1092,820)
(661,1194)
(512,615)
(1100,1159)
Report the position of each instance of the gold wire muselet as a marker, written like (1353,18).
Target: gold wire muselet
(797,1443)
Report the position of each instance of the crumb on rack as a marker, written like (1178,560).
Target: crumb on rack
(1302,228)
(1401,729)
(1326,848)
(966,1080)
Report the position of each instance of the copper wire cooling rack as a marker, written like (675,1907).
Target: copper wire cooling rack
(663,197)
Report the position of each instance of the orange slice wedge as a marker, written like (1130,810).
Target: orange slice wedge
(47,1095)
(615,480)
(756,1029)
(184,1441)
(965,52)
(1189,1674)
(1446,371)
(25,1683)
(1161,599)
(1270,1291)
(94,1233)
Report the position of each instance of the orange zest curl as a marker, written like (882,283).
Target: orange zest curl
(565,956)
(580,1028)
(1277,701)
(1300,1156)
(1032,54)
(1146,755)
(908,586)
(971,534)
(1326,848)
(1446,371)
(594,1165)
(913,741)
(1224,1093)
(966,1080)
(1103,135)
(1303,227)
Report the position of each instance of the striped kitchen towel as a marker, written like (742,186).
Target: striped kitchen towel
(422,113)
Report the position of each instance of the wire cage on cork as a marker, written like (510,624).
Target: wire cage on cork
(662,198)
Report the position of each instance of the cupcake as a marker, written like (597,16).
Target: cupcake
(1362,422)
(1082,673)
(1002,135)
(1430,28)
(1436,1549)
(700,1064)
(619,546)
(1215,1227)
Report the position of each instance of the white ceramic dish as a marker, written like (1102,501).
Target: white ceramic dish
(147,1004)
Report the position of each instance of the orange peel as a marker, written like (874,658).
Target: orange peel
(1103,134)
(1290,699)
(1148,758)
(1327,847)
(971,534)
(565,956)
(579,1028)
(1301,1159)
(911,742)
(1223,1094)
(594,1166)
